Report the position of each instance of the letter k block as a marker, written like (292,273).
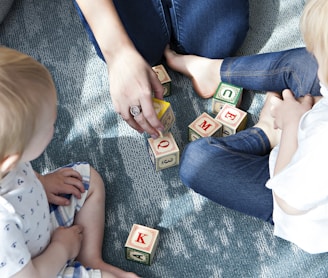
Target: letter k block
(141,244)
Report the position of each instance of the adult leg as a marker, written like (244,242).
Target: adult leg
(294,69)
(233,170)
(146,23)
(220,170)
(213,29)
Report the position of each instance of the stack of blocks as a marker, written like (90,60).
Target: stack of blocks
(228,120)
(164,151)
(141,244)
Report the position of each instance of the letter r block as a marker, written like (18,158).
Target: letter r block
(164,151)
(164,78)
(141,244)
(204,126)
(226,93)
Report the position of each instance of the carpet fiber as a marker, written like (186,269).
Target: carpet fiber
(197,237)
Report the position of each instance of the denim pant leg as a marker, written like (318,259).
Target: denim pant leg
(209,28)
(147,24)
(294,69)
(231,171)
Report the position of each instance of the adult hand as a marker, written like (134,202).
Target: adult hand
(63,181)
(132,82)
(288,110)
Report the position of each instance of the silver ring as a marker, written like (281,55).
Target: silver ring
(135,110)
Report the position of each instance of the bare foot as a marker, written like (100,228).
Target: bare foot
(110,271)
(203,72)
(266,121)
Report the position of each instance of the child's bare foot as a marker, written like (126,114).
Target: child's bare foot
(110,271)
(266,121)
(203,72)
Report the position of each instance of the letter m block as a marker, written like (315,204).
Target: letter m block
(204,126)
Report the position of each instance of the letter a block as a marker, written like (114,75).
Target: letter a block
(141,244)
(204,126)
(164,78)
(164,113)
(163,151)
(232,119)
(226,93)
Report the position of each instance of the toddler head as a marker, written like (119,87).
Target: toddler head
(315,34)
(27,108)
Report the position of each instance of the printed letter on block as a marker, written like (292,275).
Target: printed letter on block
(164,151)
(226,93)
(204,126)
(164,113)
(232,119)
(141,244)
(164,78)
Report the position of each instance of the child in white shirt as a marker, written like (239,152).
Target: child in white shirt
(38,239)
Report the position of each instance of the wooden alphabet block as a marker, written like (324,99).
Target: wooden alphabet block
(204,126)
(164,152)
(164,78)
(226,93)
(141,244)
(164,113)
(233,119)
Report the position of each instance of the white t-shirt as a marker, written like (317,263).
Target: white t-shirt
(25,227)
(303,183)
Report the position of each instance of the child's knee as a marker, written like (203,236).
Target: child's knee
(96,181)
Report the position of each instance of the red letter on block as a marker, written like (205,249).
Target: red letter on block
(140,238)
(205,125)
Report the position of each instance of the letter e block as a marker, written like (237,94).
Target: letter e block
(141,244)
(204,126)
(226,93)
(164,78)
(233,119)
(164,113)
(163,151)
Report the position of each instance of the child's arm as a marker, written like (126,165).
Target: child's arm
(287,113)
(65,245)
(60,182)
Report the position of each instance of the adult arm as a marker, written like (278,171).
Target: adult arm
(131,79)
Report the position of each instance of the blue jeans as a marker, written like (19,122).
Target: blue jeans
(207,28)
(231,171)
(295,69)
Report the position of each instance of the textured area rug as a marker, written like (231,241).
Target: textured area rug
(197,237)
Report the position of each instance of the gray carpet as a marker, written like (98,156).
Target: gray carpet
(197,237)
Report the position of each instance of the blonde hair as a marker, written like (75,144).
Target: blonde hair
(315,32)
(23,86)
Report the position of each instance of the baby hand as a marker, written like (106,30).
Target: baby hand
(70,238)
(60,182)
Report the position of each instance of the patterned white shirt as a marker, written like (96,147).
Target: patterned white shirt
(25,227)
